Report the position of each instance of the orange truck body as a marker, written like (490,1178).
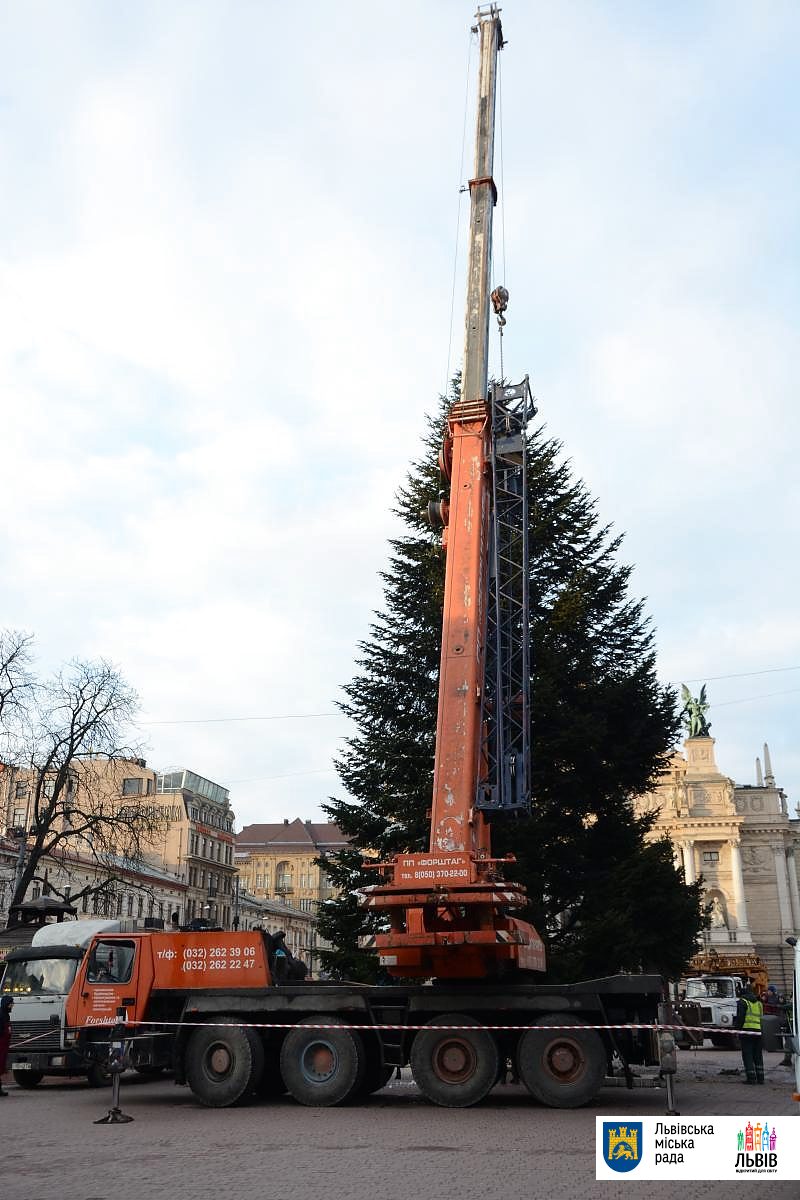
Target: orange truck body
(149,963)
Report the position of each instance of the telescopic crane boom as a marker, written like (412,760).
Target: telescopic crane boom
(449,909)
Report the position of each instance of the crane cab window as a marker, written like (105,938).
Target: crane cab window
(110,962)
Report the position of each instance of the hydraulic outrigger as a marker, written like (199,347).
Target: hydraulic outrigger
(449,909)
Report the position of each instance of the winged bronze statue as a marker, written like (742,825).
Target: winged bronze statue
(693,712)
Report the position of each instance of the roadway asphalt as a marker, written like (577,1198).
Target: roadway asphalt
(396,1147)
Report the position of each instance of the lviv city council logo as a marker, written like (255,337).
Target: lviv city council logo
(622,1145)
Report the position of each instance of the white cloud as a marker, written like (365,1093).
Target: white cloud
(225,282)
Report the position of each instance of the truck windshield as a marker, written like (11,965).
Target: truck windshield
(39,976)
(711,989)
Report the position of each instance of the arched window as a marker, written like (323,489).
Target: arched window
(283,877)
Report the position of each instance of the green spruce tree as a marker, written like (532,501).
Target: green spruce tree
(602,727)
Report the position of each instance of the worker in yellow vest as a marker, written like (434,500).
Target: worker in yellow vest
(749,1012)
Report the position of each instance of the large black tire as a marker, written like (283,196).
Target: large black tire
(27,1079)
(98,1075)
(322,1067)
(454,1068)
(224,1064)
(563,1068)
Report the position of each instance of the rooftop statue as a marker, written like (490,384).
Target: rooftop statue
(693,712)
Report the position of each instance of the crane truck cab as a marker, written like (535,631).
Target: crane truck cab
(153,976)
(39,977)
(717,997)
(130,970)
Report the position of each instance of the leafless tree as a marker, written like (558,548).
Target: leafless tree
(16,690)
(71,751)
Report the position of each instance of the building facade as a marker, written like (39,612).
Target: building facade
(299,927)
(279,861)
(278,866)
(189,839)
(197,843)
(743,842)
(9,857)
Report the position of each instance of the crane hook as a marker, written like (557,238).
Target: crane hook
(500,303)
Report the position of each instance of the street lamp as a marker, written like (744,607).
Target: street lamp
(236,903)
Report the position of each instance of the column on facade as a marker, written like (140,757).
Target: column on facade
(738,884)
(688,861)
(794,893)
(782,880)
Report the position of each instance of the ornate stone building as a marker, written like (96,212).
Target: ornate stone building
(278,866)
(278,861)
(741,839)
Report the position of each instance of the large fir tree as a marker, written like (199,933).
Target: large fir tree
(600,895)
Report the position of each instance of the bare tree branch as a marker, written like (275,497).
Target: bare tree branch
(76,752)
(16,690)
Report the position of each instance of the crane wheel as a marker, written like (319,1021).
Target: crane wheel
(561,1067)
(454,1067)
(323,1067)
(224,1064)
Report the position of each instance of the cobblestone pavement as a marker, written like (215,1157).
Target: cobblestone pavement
(396,1147)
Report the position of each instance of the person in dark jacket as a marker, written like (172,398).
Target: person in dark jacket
(285,967)
(6,1004)
(749,1012)
(280,957)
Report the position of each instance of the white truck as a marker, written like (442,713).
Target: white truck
(39,977)
(717,996)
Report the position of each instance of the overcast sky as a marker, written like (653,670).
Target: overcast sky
(227,245)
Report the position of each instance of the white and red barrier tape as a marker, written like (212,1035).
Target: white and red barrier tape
(705,1029)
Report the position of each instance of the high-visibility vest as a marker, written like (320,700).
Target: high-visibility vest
(752,1018)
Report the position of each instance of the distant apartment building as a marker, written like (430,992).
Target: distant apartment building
(278,869)
(198,842)
(191,843)
(279,861)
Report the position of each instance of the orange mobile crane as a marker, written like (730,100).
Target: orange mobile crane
(449,910)
(208,1005)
